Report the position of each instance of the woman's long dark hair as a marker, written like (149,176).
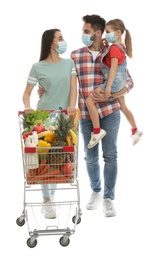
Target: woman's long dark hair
(46,41)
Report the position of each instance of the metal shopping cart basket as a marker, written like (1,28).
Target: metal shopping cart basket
(49,162)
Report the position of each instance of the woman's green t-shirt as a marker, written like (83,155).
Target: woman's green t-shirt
(55,79)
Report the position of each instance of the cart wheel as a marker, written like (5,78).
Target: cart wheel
(74,220)
(20,223)
(31,245)
(62,243)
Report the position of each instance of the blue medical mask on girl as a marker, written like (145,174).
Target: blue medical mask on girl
(110,37)
(86,39)
(62,47)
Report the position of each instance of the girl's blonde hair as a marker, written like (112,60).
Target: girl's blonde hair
(117,24)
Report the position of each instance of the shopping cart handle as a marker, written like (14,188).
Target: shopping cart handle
(23,112)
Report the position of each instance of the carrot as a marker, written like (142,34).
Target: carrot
(31,172)
(41,166)
(42,176)
(45,169)
(50,180)
(30,181)
(38,177)
(60,179)
(54,172)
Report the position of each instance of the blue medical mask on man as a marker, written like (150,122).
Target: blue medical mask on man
(110,37)
(62,47)
(86,39)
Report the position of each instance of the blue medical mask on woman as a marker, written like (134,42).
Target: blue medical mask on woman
(62,47)
(110,37)
(86,39)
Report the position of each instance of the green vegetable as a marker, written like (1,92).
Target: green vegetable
(33,118)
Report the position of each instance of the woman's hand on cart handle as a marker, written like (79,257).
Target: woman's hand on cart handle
(71,110)
(28,110)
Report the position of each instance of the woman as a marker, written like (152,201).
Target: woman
(58,78)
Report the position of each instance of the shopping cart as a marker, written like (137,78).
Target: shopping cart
(50,165)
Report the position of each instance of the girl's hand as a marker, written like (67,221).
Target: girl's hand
(108,92)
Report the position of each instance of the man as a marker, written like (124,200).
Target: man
(87,62)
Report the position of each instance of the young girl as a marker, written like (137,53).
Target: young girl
(114,69)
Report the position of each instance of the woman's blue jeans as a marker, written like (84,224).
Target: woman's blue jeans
(48,190)
(110,124)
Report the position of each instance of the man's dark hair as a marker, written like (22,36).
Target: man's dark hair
(96,21)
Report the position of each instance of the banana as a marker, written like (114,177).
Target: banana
(42,134)
(74,136)
(68,140)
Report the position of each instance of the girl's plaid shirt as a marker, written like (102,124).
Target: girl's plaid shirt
(89,76)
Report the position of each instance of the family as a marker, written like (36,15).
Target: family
(97,75)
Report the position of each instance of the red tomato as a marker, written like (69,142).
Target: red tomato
(26,135)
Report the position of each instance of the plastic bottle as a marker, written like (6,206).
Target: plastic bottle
(35,137)
(27,141)
(31,155)
(55,114)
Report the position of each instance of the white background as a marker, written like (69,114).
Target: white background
(132,233)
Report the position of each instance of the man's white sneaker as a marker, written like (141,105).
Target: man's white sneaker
(95,138)
(108,208)
(48,210)
(136,137)
(95,199)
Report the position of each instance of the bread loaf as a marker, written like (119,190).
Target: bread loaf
(75,117)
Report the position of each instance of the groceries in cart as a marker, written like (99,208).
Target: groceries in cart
(49,139)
